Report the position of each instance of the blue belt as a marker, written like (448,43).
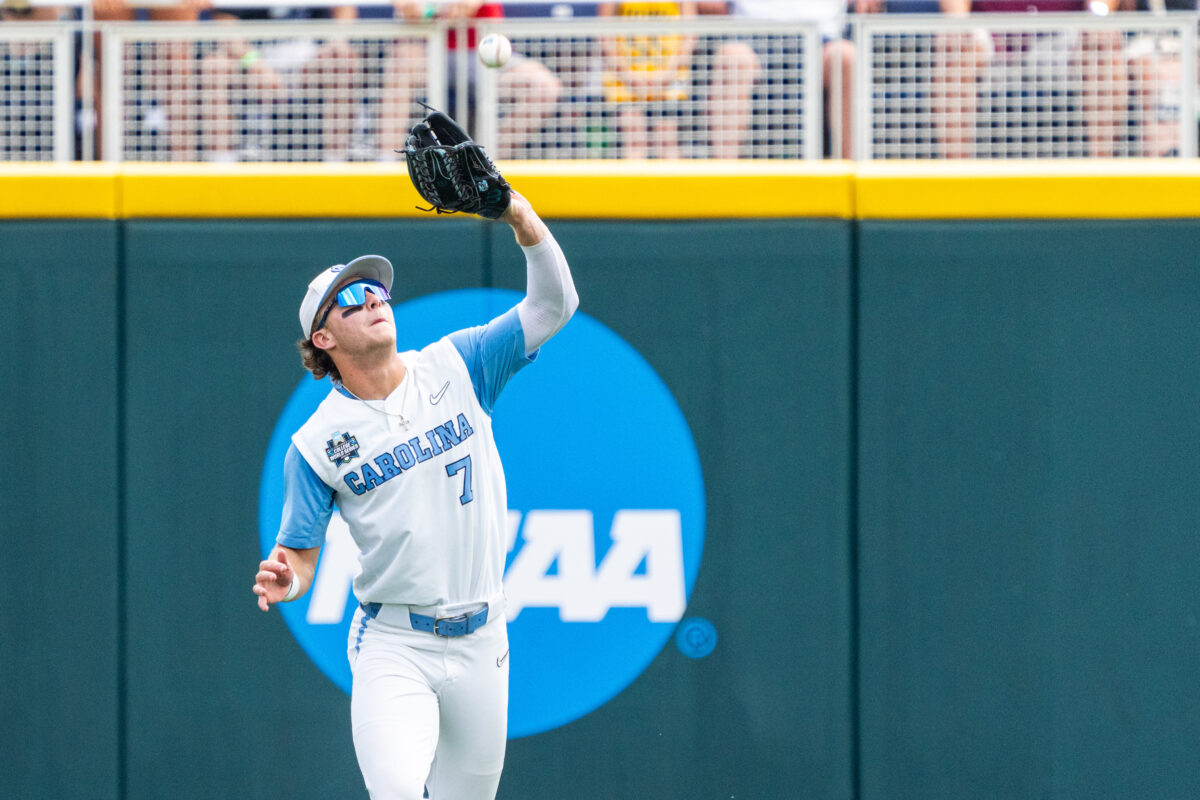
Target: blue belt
(449,626)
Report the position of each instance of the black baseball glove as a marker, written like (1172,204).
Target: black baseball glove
(451,171)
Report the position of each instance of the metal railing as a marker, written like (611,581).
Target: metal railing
(921,87)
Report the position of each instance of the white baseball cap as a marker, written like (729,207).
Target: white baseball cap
(376,268)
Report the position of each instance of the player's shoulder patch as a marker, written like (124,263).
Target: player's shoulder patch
(342,448)
(318,433)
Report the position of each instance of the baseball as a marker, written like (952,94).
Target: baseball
(494,50)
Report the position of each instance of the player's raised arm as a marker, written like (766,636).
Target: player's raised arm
(285,575)
(451,171)
(550,296)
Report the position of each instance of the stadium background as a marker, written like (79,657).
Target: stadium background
(947,419)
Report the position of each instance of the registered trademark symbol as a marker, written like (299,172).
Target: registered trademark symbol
(696,637)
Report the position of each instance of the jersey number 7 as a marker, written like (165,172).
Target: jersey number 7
(463,465)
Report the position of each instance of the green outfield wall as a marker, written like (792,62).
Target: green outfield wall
(952,488)
(60,600)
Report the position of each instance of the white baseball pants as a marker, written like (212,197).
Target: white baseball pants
(428,711)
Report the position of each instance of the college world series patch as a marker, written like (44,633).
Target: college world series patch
(342,448)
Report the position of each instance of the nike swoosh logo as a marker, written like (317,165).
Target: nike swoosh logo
(500,661)
(437,398)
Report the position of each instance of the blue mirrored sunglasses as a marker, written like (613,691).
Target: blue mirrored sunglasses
(355,294)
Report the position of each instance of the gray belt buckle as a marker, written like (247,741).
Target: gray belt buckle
(461,619)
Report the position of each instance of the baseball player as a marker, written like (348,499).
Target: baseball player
(403,447)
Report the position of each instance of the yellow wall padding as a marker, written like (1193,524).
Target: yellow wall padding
(682,189)
(609,189)
(639,190)
(266,190)
(53,191)
(1102,189)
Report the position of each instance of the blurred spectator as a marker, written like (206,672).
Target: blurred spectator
(737,65)
(959,60)
(646,77)
(1158,6)
(1156,76)
(1104,94)
(176,70)
(299,93)
(735,69)
(405,68)
(530,89)
(22,11)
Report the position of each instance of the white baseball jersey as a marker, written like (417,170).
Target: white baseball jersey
(417,476)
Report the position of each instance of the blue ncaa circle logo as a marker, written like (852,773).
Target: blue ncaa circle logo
(606,515)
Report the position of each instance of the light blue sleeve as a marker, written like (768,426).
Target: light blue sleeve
(307,504)
(493,353)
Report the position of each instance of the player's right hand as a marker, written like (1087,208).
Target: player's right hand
(273,579)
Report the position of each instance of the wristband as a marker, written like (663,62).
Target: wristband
(294,590)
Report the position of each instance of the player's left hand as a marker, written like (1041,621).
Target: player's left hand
(273,580)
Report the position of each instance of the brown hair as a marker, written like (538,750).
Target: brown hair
(317,361)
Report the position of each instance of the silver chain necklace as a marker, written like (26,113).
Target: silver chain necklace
(409,378)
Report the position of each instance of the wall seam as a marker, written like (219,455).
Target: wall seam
(853,518)
(121,511)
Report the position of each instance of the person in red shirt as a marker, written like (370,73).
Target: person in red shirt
(528,90)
